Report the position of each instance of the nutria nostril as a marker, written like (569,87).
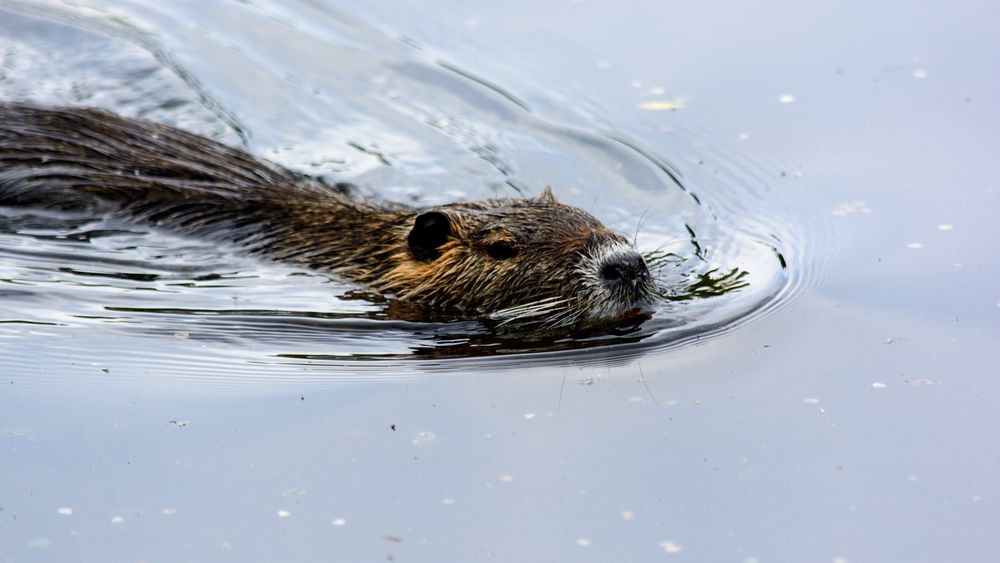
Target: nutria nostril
(624,267)
(612,272)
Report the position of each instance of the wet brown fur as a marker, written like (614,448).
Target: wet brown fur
(92,160)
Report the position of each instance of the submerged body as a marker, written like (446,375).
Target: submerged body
(522,260)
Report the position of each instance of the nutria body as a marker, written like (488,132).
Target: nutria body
(513,259)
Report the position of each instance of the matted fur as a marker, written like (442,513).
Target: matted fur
(93,160)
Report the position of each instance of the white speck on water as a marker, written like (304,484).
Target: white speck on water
(670,547)
(424,439)
(878,385)
(506,478)
(786,98)
(65,510)
(473,22)
(282,513)
(179,423)
(628,515)
(338,522)
(448,501)
(915,245)
(39,543)
(117,519)
(583,542)
(529,415)
(663,105)
(744,136)
(636,400)
(657,90)
(923,381)
(851,207)
(182,334)
(913,478)
(750,560)
(603,64)
(636,83)
(919,73)
(840,560)
(945,227)
(811,401)
(977,498)
(169,512)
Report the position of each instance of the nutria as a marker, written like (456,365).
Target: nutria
(524,260)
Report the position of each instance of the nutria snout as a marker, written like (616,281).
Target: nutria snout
(519,261)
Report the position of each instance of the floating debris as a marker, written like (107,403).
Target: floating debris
(424,438)
(663,105)
(670,547)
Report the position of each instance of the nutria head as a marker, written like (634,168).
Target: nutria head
(520,261)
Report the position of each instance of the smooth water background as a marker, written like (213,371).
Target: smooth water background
(840,410)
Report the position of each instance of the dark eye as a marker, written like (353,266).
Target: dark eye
(501,250)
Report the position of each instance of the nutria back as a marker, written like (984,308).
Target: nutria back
(516,260)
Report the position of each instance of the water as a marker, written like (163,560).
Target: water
(167,398)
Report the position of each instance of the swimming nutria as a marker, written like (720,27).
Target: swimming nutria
(532,260)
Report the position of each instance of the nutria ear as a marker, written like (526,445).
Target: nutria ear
(546,196)
(430,230)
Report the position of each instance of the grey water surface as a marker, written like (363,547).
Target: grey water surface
(833,399)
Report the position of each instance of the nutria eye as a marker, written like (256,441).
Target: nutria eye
(430,230)
(501,250)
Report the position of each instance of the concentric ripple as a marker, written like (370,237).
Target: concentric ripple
(720,227)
